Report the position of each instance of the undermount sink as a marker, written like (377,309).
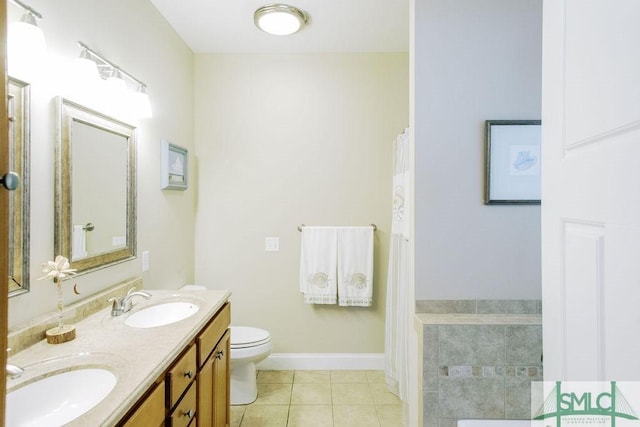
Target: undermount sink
(161,314)
(60,398)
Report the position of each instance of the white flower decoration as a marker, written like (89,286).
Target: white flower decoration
(57,269)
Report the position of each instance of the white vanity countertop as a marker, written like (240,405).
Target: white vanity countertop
(479,319)
(136,356)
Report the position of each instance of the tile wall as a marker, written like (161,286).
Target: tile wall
(479,370)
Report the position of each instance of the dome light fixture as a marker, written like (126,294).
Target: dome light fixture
(280,19)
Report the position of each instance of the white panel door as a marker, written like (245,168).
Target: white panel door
(591,189)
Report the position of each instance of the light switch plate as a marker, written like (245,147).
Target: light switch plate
(272,244)
(145,261)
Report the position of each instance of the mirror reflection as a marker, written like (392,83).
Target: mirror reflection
(95,208)
(98,217)
(19,143)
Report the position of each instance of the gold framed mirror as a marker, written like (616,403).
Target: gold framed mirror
(95,188)
(19,106)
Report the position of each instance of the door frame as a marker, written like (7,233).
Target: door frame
(4,212)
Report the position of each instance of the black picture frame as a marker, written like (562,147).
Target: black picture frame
(513,154)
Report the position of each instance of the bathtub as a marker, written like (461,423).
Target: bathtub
(494,423)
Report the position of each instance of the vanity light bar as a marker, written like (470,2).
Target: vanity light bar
(27,8)
(105,61)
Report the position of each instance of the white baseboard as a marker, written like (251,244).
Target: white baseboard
(323,361)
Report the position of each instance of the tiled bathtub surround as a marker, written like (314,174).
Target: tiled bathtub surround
(479,366)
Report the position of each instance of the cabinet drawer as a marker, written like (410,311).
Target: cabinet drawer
(151,412)
(210,336)
(182,373)
(185,412)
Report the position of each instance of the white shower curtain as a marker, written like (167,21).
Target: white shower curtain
(398,303)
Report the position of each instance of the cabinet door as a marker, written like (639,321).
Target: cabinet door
(205,394)
(213,387)
(221,382)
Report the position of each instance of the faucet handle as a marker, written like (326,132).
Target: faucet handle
(116,307)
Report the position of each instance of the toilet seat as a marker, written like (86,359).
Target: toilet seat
(246,337)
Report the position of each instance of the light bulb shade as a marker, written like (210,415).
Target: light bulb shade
(115,83)
(140,104)
(25,45)
(280,19)
(86,69)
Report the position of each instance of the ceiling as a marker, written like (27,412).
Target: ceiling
(335,26)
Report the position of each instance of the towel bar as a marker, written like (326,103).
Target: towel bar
(375,227)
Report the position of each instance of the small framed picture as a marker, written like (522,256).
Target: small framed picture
(513,162)
(174,166)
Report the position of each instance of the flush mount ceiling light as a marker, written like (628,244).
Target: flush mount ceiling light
(280,19)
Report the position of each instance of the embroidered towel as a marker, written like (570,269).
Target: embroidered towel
(318,265)
(355,266)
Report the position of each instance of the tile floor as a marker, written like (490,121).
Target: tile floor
(320,399)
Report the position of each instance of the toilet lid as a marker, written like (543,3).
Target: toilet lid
(245,336)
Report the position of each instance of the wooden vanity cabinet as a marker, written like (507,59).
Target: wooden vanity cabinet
(151,411)
(195,390)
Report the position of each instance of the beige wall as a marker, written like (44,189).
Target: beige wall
(132,34)
(283,140)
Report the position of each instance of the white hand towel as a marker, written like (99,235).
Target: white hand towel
(318,265)
(79,248)
(355,266)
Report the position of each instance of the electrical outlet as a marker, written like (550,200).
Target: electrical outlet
(145,261)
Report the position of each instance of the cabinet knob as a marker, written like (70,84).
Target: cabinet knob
(220,354)
(189,374)
(190,413)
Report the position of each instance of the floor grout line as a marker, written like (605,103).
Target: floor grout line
(375,410)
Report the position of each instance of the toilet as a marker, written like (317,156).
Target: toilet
(249,346)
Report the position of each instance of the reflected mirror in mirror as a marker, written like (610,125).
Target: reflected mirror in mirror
(95,191)
(18,104)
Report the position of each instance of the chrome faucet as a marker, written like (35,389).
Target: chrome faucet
(14,371)
(124,304)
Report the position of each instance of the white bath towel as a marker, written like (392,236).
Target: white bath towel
(79,248)
(318,265)
(355,266)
